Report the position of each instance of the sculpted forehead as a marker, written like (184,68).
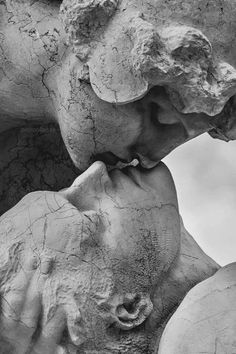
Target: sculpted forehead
(43,219)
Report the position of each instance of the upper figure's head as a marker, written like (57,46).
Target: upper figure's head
(177,58)
(112,238)
(131,46)
(124,78)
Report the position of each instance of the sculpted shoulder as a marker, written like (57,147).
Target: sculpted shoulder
(205,320)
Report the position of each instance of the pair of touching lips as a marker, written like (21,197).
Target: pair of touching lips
(96,179)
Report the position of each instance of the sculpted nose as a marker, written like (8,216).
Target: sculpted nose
(164,128)
(85,190)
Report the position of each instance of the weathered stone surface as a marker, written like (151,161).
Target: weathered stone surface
(176,45)
(126,65)
(100,266)
(145,44)
(33,158)
(85,21)
(109,264)
(192,266)
(165,69)
(205,322)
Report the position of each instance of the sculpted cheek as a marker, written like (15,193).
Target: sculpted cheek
(90,126)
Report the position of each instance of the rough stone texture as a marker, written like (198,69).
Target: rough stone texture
(174,62)
(100,266)
(205,322)
(85,21)
(110,263)
(191,267)
(174,44)
(33,158)
(176,57)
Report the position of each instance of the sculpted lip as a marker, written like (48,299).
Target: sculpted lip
(134,174)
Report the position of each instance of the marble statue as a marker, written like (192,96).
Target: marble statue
(94,94)
(123,79)
(205,322)
(97,267)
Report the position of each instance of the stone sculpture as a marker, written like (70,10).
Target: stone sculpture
(123,79)
(205,321)
(114,262)
(101,266)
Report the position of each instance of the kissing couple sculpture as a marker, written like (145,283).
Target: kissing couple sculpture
(106,265)
(103,267)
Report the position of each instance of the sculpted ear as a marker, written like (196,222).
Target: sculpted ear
(132,310)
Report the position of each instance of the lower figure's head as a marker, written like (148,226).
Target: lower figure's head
(112,237)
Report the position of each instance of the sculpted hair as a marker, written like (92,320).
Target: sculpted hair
(178,57)
(85,21)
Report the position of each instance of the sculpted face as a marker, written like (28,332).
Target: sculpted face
(124,79)
(112,237)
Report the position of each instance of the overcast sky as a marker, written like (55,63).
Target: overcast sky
(204,171)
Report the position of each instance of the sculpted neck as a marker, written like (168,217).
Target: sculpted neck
(191,267)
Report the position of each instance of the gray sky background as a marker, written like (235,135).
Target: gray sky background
(204,171)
